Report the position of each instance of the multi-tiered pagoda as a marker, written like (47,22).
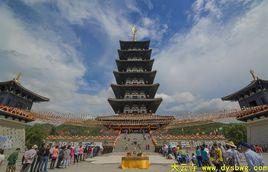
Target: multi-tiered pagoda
(135,88)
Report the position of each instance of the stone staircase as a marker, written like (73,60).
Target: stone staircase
(134,142)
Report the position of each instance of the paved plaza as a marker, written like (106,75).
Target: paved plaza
(111,163)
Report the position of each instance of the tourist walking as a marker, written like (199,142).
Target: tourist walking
(198,156)
(11,161)
(2,157)
(205,157)
(232,155)
(55,153)
(39,159)
(216,157)
(81,151)
(66,156)
(90,151)
(60,157)
(29,156)
(253,159)
(76,153)
(71,153)
(45,158)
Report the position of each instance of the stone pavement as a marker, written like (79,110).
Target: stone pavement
(115,158)
(111,163)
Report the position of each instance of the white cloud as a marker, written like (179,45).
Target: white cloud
(214,58)
(194,68)
(51,68)
(112,18)
(182,102)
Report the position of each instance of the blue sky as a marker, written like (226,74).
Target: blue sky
(66,49)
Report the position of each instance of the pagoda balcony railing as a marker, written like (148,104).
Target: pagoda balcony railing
(135,82)
(133,49)
(134,59)
(134,97)
(135,70)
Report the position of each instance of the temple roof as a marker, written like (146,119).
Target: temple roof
(124,64)
(135,117)
(252,113)
(122,76)
(16,113)
(168,137)
(119,104)
(125,54)
(149,89)
(19,87)
(125,45)
(252,87)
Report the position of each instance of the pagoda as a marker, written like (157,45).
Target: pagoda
(135,90)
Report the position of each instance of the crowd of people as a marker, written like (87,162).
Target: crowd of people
(217,155)
(37,159)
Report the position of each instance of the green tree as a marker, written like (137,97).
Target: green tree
(53,131)
(35,135)
(235,132)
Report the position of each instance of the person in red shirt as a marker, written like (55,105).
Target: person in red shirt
(80,155)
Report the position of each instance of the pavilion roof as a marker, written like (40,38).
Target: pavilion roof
(252,86)
(253,112)
(137,117)
(36,97)
(168,137)
(75,138)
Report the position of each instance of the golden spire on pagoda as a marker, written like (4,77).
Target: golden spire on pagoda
(253,74)
(17,78)
(134,31)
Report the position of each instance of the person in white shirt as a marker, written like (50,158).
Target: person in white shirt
(253,159)
(2,156)
(28,158)
(232,155)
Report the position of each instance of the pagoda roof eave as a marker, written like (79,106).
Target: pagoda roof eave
(124,54)
(118,104)
(235,96)
(149,75)
(123,64)
(137,44)
(37,97)
(149,89)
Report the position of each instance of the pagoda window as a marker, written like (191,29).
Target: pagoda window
(135,81)
(128,81)
(134,95)
(143,109)
(142,95)
(126,109)
(141,81)
(127,95)
(135,109)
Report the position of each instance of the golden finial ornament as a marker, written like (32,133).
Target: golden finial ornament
(17,78)
(134,31)
(254,76)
